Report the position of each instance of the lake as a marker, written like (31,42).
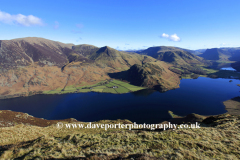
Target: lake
(202,96)
(228,69)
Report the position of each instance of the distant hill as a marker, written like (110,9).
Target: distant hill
(201,50)
(235,52)
(132,50)
(195,52)
(172,55)
(216,54)
(236,66)
(223,54)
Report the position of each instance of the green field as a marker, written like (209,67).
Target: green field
(99,87)
(84,90)
(126,85)
(67,92)
(110,84)
(109,90)
(122,90)
(70,88)
(122,87)
(118,82)
(97,90)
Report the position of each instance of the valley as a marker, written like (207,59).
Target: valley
(119,80)
(83,83)
(42,66)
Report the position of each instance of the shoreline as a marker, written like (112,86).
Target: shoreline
(233,105)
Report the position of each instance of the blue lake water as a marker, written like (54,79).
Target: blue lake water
(202,96)
(228,69)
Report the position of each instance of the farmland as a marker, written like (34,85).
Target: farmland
(108,86)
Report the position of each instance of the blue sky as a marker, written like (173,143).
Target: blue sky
(125,24)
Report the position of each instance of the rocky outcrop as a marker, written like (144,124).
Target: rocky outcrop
(154,75)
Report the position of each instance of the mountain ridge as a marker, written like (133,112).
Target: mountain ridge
(222,54)
(33,65)
(177,57)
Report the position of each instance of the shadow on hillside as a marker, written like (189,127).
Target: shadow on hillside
(120,75)
(134,79)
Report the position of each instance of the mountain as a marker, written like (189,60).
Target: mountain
(172,55)
(26,51)
(155,75)
(201,50)
(216,54)
(116,59)
(33,65)
(109,57)
(85,49)
(121,66)
(132,50)
(235,52)
(222,54)
(236,66)
(195,52)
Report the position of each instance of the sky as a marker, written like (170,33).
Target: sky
(125,24)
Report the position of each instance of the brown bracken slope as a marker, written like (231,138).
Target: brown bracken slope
(32,65)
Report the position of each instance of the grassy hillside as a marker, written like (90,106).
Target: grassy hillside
(218,138)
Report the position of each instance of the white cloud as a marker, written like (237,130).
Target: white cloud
(172,37)
(165,35)
(20,19)
(56,25)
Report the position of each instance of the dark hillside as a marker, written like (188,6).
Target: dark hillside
(216,54)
